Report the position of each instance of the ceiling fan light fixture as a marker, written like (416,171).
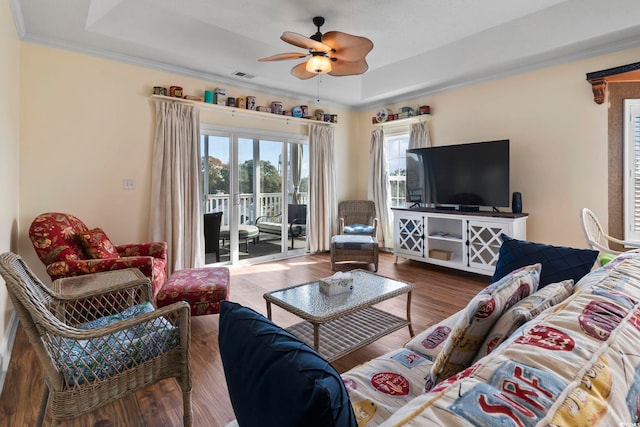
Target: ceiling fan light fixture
(318,64)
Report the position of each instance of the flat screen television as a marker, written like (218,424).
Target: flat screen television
(464,176)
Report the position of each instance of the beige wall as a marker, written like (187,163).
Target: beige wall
(89,123)
(9,137)
(558,139)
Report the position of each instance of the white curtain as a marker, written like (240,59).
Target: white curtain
(176,187)
(419,136)
(379,187)
(323,201)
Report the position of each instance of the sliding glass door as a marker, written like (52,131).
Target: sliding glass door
(259,183)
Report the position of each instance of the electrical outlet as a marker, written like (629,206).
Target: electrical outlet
(128,184)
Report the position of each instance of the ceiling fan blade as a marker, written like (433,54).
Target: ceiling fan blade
(346,46)
(300,71)
(304,42)
(346,68)
(283,56)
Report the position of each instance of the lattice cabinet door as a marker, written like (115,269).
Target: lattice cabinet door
(485,242)
(409,235)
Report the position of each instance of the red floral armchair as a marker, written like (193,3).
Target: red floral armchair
(67,247)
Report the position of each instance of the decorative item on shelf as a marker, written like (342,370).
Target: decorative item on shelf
(424,109)
(287,113)
(193,98)
(231,101)
(251,103)
(319,114)
(337,284)
(410,112)
(305,111)
(334,118)
(264,109)
(296,111)
(327,118)
(241,102)
(382,115)
(276,107)
(391,117)
(208,96)
(218,94)
(159,90)
(175,91)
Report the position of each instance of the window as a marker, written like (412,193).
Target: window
(632,169)
(397,144)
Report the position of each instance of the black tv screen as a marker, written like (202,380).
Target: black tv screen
(475,174)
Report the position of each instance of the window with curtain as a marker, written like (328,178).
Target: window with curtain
(632,170)
(397,143)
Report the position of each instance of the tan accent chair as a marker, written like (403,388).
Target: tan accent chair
(357,217)
(90,360)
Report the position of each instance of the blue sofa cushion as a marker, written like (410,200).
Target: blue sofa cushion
(276,380)
(558,262)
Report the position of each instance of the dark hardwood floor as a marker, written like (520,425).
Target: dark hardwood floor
(438,293)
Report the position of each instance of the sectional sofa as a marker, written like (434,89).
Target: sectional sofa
(531,349)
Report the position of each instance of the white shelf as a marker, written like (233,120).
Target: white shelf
(243,112)
(407,121)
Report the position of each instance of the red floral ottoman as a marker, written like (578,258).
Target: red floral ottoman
(202,288)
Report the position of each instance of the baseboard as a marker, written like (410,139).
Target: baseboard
(6,346)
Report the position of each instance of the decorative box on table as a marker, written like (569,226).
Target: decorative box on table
(337,284)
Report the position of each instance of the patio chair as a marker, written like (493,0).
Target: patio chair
(58,240)
(212,222)
(95,349)
(599,240)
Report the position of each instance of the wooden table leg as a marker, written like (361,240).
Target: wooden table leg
(409,314)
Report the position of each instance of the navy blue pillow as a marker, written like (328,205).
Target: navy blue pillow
(558,262)
(276,380)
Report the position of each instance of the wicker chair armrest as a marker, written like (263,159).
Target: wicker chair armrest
(341,225)
(77,293)
(174,313)
(92,297)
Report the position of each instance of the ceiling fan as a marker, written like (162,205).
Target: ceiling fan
(335,53)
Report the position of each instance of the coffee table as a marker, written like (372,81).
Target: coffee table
(338,325)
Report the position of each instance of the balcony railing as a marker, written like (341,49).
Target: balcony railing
(267,204)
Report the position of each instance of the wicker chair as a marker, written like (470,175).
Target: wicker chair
(90,360)
(358,217)
(598,239)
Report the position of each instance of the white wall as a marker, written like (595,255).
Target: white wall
(558,139)
(9,137)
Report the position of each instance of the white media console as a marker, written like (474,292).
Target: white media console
(468,241)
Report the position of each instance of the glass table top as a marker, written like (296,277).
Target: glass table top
(368,289)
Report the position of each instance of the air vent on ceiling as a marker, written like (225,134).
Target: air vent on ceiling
(243,75)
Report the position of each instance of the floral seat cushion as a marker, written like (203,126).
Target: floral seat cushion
(202,288)
(97,358)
